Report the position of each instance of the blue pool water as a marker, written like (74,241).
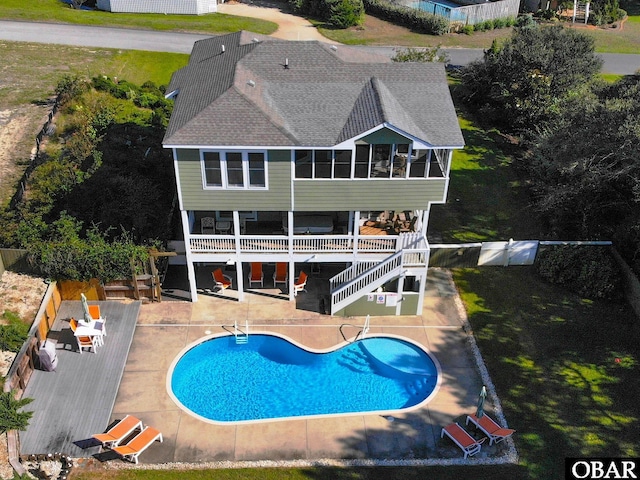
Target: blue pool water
(270,378)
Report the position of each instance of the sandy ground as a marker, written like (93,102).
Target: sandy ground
(290,27)
(21,294)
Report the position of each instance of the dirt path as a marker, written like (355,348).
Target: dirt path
(291,27)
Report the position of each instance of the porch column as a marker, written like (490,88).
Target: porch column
(239,270)
(292,265)
(356,233)
(191,273)
(400,294)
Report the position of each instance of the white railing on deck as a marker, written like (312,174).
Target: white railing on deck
(301,243)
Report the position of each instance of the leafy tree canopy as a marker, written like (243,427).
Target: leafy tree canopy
(585,172)
(524,83)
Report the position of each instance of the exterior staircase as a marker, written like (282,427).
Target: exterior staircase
(364,277)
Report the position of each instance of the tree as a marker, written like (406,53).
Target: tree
(10,417)
(585,173)
(523,85)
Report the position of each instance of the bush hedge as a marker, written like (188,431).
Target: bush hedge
(412,18)
(586,270)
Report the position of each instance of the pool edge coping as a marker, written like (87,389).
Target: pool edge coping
(389,414)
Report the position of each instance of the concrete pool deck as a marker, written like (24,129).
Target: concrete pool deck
(165,329)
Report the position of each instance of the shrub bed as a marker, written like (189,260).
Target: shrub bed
(412,18)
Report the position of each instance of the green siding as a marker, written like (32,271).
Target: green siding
(385,136)
(195,197)
(362,307)
(342,195)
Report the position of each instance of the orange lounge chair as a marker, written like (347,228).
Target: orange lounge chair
(138,444)
(494,432)
(222,281)
(256,275)
(300,284)
(459,436)
(119,431)
(280,275)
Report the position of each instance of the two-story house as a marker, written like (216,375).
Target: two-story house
(304,154)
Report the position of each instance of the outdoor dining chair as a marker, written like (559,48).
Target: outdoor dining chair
(256,275)
(221,280)
(300,284)
(281,275)
(84,341)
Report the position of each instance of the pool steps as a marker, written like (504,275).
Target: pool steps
(242,337)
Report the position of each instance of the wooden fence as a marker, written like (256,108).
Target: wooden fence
(470,12)
(25,361)
(35,157)
(14,259)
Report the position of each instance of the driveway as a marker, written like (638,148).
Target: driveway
(290,27)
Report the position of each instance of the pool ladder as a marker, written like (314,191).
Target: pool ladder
(241,337)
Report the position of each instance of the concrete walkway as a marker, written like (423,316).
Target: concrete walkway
(290,27)
(165,329)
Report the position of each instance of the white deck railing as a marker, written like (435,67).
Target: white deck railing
(201,244)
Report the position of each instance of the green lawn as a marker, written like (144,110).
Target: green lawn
(383,473)
(373,32)
(57,11)
(566,369)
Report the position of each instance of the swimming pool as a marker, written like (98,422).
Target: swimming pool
(270,377)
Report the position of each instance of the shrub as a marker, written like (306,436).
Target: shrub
(69,87)
(10,417)
(13,334)
(66,256)
(412,18)
(499,22)
(467,29)
(346,13)
(588,271)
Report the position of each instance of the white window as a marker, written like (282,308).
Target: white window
(368,161)
(233,170)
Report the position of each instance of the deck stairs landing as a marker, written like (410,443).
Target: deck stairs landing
(364,277)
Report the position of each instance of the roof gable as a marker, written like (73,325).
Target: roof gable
(275,92)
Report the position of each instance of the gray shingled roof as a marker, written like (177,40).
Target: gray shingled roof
(266,92)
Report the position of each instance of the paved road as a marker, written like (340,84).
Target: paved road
(127,39)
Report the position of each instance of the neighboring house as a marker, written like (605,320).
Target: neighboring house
(466,12)
(185,7)
(310,154)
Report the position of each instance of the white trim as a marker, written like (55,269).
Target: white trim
(177,173)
